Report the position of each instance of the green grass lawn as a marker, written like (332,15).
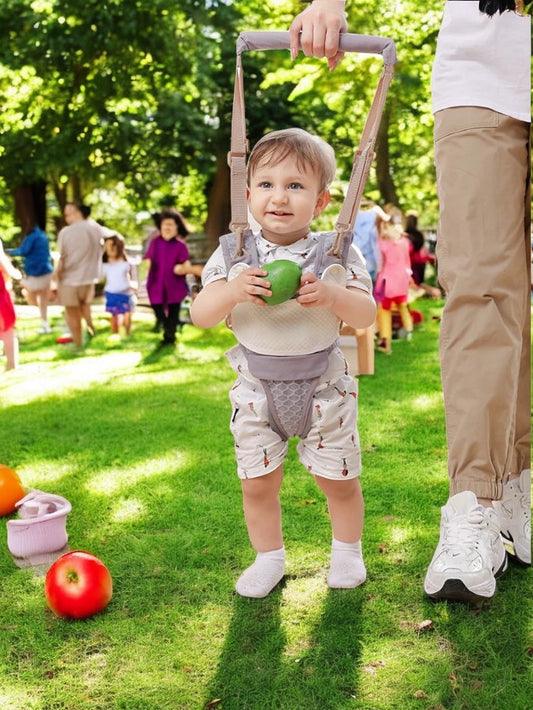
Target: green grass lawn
(138,440)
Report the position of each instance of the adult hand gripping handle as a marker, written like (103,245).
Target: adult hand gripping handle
(348,42)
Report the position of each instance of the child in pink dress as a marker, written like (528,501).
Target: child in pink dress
(392,284)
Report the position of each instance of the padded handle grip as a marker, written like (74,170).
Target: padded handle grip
(348,42)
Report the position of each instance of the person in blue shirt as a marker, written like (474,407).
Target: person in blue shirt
(38,267)
(366,231)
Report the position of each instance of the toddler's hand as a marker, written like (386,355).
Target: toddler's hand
(315,293)
(180,270)
(247,285)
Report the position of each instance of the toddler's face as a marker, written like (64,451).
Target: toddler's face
(284,199)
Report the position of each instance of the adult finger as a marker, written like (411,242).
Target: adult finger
(294,36)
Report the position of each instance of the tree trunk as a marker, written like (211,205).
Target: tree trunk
(30,206)
(60,193)
(218,205)
(385,182)
(76,189)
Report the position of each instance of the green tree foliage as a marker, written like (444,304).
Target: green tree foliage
(138,94)
(90,92)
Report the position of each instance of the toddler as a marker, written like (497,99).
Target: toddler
(295,342)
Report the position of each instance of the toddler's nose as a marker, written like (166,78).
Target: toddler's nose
(279,195)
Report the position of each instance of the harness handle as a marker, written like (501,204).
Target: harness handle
(348,42)
(364,155)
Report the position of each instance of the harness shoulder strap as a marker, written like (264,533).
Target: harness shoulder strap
(234,243)
(325,255)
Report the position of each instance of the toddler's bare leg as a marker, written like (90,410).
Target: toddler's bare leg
(262,513)
(346,510)
(346,507)
(262,510)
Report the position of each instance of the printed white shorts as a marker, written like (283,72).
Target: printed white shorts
(331,448)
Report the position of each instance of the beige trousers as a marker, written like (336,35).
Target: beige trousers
(484,262)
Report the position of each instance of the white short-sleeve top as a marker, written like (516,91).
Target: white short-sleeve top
(483,61)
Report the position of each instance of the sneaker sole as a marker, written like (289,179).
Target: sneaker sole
(455,590)
(508,543)
(503,567)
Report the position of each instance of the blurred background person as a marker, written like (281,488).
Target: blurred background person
(7,311)
(78,269)
(419,255)
(120,281)
(367,228)
(392,284)
(168,258)
(38,269)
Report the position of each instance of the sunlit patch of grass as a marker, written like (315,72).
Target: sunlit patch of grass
(427,401)
(114,480)
(45,471)
(37,380)
(127,510)
(17,697)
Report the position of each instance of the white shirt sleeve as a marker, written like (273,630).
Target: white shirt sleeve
(215,269)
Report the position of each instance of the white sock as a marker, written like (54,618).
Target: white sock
(260,578)
(347,569)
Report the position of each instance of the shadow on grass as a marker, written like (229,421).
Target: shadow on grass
(480,642)
(322,675)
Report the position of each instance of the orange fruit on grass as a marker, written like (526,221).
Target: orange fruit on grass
(11,489)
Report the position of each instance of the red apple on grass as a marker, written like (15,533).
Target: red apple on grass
(78,585)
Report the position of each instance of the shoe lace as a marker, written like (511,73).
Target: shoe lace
(466,528)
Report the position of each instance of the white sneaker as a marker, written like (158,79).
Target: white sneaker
(44,329)
(514,514)
(470,554)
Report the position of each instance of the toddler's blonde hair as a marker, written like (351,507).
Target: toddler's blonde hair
(310,153)
(391,231)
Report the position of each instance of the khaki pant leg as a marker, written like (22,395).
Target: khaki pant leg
(482,164)
(521,455)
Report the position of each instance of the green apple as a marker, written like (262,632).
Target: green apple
(284,277)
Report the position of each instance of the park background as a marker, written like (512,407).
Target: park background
(126,106)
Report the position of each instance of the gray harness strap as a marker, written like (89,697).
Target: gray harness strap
(289,381)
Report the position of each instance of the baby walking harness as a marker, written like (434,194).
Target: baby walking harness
(287,348)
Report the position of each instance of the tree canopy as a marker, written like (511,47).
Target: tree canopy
(128,105)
